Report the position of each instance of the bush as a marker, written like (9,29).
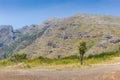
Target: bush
(40,57)
(18,57)
(104,55)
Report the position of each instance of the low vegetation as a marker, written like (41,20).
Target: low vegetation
(67,62)
(18,58)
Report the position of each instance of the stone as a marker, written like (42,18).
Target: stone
(115,41)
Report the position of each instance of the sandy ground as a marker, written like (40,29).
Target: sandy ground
(106,72)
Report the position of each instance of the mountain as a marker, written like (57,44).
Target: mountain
(21,39)
(7,35)
(57,38)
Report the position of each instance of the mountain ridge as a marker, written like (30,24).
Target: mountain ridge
(57,38)
(67,32)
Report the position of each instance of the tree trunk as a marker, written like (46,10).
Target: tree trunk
(81,59)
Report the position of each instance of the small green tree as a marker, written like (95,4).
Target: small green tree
(82,49)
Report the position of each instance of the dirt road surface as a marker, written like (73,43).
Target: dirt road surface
(108,72)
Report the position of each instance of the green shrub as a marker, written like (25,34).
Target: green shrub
(40,57)
(104,55)
(5,63)
(18,57)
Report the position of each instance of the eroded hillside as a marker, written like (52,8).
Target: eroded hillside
(61,39)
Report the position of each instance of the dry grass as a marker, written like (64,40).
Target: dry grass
(71,62)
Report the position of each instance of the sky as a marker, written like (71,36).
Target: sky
(19,13)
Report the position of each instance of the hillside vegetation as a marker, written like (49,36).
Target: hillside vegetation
(59,38)
(19,61)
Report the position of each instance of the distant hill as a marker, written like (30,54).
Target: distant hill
(20,39)
(56,38)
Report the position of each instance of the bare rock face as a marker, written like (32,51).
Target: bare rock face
(16,40)
(108,36)
(115,41)
(6,34)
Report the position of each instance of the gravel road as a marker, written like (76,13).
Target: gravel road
(108,72)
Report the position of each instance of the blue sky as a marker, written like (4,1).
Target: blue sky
(25,12)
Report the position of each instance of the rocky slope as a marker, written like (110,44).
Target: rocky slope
(62,37)
(20,39)
(7,35)
(57,38)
